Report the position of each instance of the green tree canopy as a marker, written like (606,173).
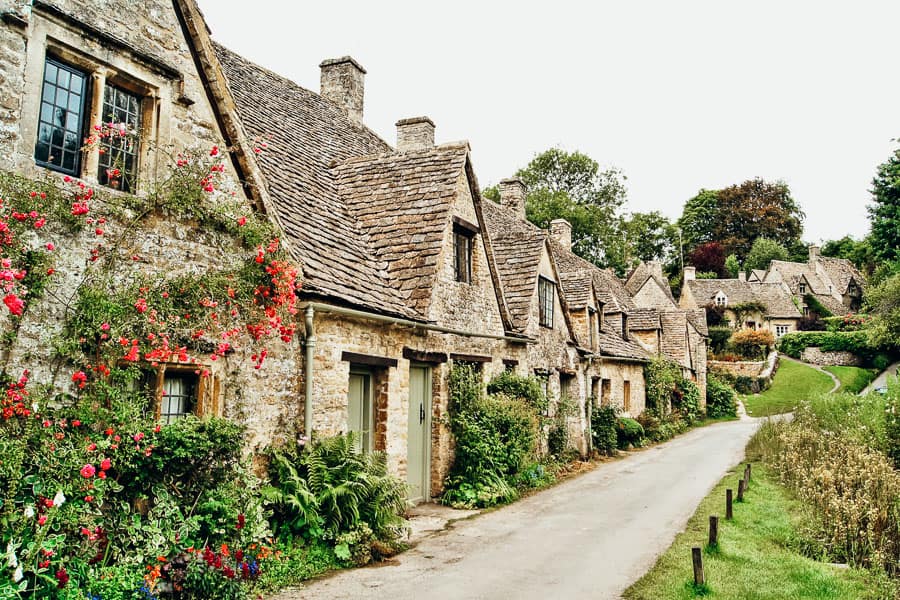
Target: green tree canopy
(571,186)
(649,236)
(884,213)
(763,252)
(698,219)
(859,252)
(884,303)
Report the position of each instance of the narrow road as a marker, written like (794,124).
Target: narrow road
(589,537)
(881,380)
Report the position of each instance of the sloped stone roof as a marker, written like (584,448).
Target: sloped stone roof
(644,271)
(517,246)
(576,274)
(841,272)
(777,300)
(791,273)
(697,318)
(306,137)
(705,290)
(403,203)
(643,319)
(612,292)
(611,344)
(673,341)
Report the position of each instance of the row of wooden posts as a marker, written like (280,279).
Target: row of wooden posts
(696,551)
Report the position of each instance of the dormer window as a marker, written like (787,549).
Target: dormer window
(546,300)
(721,299)
(463,242)
(802,288)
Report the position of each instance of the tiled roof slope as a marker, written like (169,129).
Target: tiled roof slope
(643,319)
(611,344)
(576,273)
(403,202)
(517,248)
(639,276)
(697,317)
(673,341)
(612,292)
(791,273)
(777,300)
(306,136)
(841,271)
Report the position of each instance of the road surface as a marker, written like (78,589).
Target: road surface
(589,537)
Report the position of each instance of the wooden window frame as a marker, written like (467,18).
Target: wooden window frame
(463,247)
(546,301)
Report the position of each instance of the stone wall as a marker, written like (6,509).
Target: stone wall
(744,368)
(817,356)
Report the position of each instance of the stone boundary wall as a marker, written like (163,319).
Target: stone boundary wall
(737,368)
(748,377)
(816,356)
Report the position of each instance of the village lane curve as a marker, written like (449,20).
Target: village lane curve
(589,537)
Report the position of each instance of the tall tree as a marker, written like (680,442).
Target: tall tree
(698,219)
(709,258)
(754,209)
(884,213)
(571,186)
(859,252)
(763,252)
(649,236)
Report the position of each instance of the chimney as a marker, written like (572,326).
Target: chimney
(742,276)
(512,196)
(690,273)
(813,253)
(343,84)
(655,268)
(561,231)
(416,133)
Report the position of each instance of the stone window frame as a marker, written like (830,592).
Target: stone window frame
(546,301)
(63,40)
(464,235)
(205,394)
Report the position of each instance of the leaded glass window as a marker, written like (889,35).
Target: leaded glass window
(61,120)
(546,298)
(119,150)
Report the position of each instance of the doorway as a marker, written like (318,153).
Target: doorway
(360,416)
(418,449)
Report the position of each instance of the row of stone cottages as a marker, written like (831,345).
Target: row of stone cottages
(406,268)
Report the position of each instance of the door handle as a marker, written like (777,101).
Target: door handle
(421,414)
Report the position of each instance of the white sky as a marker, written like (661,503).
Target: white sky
(679,95)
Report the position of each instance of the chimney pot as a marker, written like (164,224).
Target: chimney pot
(512,196)
(690,273)
(813,253)
(416,133)
(742,276)
(561,231)
(343,83)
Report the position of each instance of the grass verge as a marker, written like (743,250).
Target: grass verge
(793,382)
(756,557)
(853,379)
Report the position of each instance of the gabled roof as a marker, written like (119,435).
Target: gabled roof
(612,345)
(778,301)
(517,246)
(645,272)
(674,339)
(773,296)
(841,272)
(403,202)
(697,318)
(612,292)
(791,273)
(756,275)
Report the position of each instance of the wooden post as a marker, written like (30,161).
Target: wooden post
(747,478)
(713,531)
(729,512)
(697,557)
(740,497)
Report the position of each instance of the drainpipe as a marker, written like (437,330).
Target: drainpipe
(308,372)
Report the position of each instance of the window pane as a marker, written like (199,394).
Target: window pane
(49,94)
(60,118)
(62,78)
(50,72)
(120,152)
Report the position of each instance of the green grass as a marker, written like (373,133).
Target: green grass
(793,382)
(853,379)
(756,557)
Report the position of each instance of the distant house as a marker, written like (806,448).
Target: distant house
(833,282)
(747,304)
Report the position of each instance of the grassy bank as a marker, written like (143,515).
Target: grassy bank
(853,379)
(757,556)
(793,382)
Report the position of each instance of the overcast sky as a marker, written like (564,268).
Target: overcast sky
(679,95)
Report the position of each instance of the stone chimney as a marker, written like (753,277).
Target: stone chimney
(561,231)
(416,133)
(655,268)
(813,253)
(690,273)
(742,276)
(512,196)
(343,83)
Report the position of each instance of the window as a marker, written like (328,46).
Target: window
(721,299)
(179,396)
(780,330)
(65,121)
(119,156)
(462,243)
(802,288)
(592,318)
(626,395)
(61,120)
(546,299)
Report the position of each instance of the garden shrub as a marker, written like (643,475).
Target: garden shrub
(628,433)
(558,435)
(720,398)
(753,344)
(661,378)
(688,401)
(660,430)
(718,338)
(526,388)
(603,430)
(855,342)
(892,423)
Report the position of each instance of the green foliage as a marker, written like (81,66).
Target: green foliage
(558,435)
(755,209)
(892,424)
(884,212)
(859,252)
(817,307)
(864,344)
(526,388)
(698,219)
(571,186)
(661,378)
(721,400)
(718,338)
(884,302)
(603,430)
(649,236)
(496,437)
(629,433)
(688,401)
(763,252)
(660,429)
(752,344)
(334,489)
(853,379)
(732,265)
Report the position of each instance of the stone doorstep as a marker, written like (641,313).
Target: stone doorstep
(429,518)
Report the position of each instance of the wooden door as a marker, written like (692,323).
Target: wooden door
(418,449)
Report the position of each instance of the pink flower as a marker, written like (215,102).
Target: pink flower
(105,464)
(105,327)
(91,447)
(14,304)
(88,471)
(50,246)
(242,221)
(139,436)
(42,519)
(214,151)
